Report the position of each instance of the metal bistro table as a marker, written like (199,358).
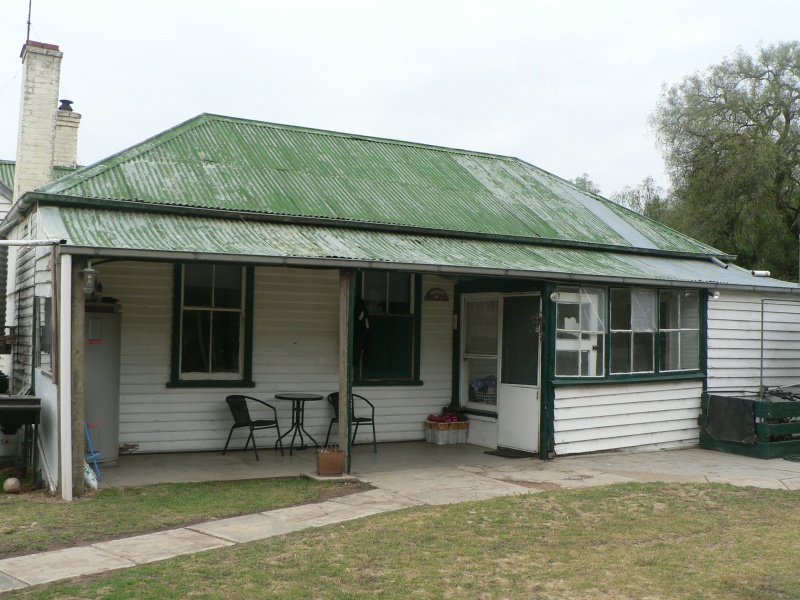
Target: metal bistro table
(298,400)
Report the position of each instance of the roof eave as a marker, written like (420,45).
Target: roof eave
(341,263)
(148,207)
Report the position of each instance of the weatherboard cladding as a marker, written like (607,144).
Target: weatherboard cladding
(232,164)
(123,231)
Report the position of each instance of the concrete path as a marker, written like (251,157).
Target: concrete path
(404,488)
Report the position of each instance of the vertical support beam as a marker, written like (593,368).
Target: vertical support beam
(78,358)
(65,375)
(347,292)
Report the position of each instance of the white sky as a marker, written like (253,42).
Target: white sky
(567,85)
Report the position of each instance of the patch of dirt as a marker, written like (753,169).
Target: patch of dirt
(544,486)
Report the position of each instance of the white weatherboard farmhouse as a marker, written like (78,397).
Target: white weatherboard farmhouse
(239,255)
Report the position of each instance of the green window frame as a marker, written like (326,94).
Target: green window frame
(212,325)
(648,332)
(388,352)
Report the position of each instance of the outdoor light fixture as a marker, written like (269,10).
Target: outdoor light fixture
(89,279)
(713,294)
(555,296)
(760,273)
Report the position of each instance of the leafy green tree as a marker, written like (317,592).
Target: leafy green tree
(647,198)
(583,182)
(730,137)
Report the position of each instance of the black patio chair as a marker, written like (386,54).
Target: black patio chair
(333,399)
(241,418)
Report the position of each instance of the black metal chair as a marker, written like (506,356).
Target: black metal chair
(241,418)
(333,399)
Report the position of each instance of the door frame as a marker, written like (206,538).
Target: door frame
(535,447)
(461,383)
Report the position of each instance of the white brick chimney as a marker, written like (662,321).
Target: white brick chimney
(37,117)
(67,123)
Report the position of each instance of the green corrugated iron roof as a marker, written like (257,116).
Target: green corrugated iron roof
(154,235)
(222,163)
(8,168)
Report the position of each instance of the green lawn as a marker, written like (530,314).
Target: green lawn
(35,521)
(626,541)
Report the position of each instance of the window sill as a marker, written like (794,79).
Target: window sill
(480,413)
(617,379)
(211,383)
(388,382)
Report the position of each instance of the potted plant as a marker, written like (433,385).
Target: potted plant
(330,461)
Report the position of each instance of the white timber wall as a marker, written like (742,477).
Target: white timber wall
(295,348)
(735,341)
(628,415)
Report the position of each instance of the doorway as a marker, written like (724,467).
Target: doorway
(501,364)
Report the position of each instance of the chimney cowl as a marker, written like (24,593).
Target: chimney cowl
(65,105)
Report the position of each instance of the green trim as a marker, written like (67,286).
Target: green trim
(617,379)
(417,328)
(212,383)
(455,371)
(247,368)
(46,199)
(249,304)
(703,337)
(350,308)
(548,366)
(177,292)
(388,383)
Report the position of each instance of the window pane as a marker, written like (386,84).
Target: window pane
(375,292)
(480,323)
(690,350)
(670,350)
(669,308)
(593,309)
(567,316)
(643,352)
(620,352)
(227,286)
(400,293)
(482,380)
(195,341)
(567,354)
(391,350)
(620,311)
(520,360)
(225,341)
(643,310)
(592,355)
(197,282)
(690,310)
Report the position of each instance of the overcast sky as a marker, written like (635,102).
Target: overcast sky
(567,86)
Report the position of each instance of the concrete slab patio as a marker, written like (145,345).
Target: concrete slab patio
(404,475)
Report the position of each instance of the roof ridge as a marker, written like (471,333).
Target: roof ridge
(355,136)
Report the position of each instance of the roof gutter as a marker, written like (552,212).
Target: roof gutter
(149,207)
(443,270)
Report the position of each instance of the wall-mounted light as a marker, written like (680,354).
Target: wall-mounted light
(555,296)
(713,294)
(89,279)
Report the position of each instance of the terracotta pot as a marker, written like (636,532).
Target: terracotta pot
(330,462)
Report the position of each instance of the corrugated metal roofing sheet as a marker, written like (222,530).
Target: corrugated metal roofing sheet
(8,169)
(234,164)
(163,233)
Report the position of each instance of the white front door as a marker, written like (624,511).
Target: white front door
(518,398)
